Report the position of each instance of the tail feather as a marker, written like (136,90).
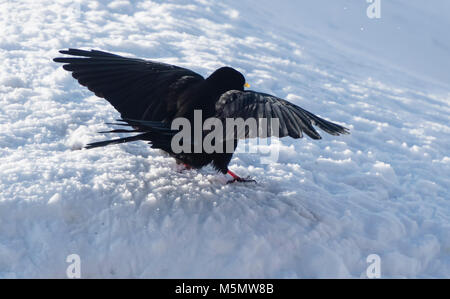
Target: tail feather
(158,134)
(145,123)
(120,131)
(115,141)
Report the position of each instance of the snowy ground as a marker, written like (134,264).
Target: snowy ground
(318,212)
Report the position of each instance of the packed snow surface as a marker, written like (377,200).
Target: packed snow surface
(319,210)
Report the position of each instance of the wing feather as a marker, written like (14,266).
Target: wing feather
(294,121)
(131,85)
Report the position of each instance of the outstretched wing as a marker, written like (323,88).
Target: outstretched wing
(293,120)
(137,88)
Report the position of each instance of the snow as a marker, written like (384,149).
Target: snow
(319,211)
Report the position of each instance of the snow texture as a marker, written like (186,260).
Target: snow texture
(319,211)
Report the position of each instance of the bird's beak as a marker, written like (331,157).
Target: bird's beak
(247,85)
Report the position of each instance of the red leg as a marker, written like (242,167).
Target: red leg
(235,176)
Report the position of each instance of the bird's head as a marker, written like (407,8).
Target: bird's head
(227,78)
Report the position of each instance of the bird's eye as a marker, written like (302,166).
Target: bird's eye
(247,85)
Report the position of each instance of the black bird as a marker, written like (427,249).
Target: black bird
(150,95)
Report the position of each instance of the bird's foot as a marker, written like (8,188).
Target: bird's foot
(237,178)
(242,180)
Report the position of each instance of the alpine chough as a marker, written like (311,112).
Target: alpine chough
(149,95)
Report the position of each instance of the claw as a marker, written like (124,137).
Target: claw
(237,178)
(241,180)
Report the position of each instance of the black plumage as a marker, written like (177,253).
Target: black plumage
(150,95)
